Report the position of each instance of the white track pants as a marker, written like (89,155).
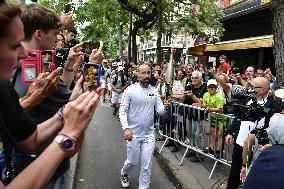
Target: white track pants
(144,147)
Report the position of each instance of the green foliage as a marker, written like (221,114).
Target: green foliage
(98,19)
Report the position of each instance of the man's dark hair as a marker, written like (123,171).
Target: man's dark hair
(36,17)
(7,14)
(73,31)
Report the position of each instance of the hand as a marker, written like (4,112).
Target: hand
(77,91)
(196,104)
(43,86)
(127,134)
(67,20)
(75,57)
(229,139)
(189,94)
(118,90)
(243,174)
(168,103)
(263,147)
(78,114)
(97,55)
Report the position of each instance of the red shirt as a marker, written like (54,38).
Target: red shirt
(225,66)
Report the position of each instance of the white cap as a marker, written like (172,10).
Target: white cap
(120,68)
(119,64)
(105,60)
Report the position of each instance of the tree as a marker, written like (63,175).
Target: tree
(278,28)
(146,12)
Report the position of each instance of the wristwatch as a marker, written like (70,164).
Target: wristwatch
(66,142)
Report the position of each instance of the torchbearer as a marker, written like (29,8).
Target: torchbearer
(137,118)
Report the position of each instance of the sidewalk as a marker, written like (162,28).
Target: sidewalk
(191,175)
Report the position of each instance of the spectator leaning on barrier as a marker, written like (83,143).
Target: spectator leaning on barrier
(240,129)
(193,94)
(214,102)
(22,132)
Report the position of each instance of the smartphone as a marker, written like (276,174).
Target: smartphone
(68,8)
(88,46)
(31,66)
(37,62)
(91,75)
(48,59)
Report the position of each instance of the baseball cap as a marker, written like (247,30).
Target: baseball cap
(114,64)
(212,82)
(104,60)
(119,63)
(120,68)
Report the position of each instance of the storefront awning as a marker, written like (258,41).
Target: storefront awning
(246,43)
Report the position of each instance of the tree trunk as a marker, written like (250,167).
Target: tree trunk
(134,45)
(159,36)
(120,39)
(278,31)
(129,38)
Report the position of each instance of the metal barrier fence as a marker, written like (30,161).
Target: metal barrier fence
(195,129)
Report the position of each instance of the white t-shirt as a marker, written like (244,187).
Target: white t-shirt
(247,126)
(137,109)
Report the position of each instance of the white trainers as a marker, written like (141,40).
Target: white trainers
(124,180)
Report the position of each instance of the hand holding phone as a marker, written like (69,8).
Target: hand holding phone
(91,76)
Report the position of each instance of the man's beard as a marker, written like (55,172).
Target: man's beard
(145,82)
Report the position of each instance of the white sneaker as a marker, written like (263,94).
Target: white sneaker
(187,141)
(124,181)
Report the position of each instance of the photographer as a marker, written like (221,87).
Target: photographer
(241,128)
(22,132)
(41,28)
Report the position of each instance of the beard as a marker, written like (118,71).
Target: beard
(145,82)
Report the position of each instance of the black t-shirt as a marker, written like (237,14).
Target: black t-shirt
(16,120)
(198,92)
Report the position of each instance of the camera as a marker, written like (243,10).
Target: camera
(71,43)
(88,46)
(61,56)
(68,8)
(236,70)
(91,75)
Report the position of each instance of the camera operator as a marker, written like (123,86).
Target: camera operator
(16,127)
(241,128)
(267,169)
(268,132)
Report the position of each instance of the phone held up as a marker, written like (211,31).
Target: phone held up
(68,8)
(91,75)
(88,46)
(37,62)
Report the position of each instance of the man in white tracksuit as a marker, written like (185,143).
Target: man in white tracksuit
(137,118)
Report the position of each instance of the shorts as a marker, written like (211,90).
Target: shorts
(116,97)
(103,84)
(220,121)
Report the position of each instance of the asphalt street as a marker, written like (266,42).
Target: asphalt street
(103,153)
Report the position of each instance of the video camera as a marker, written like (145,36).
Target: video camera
(239,107)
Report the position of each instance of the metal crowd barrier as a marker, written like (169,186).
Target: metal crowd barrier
(190,127)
